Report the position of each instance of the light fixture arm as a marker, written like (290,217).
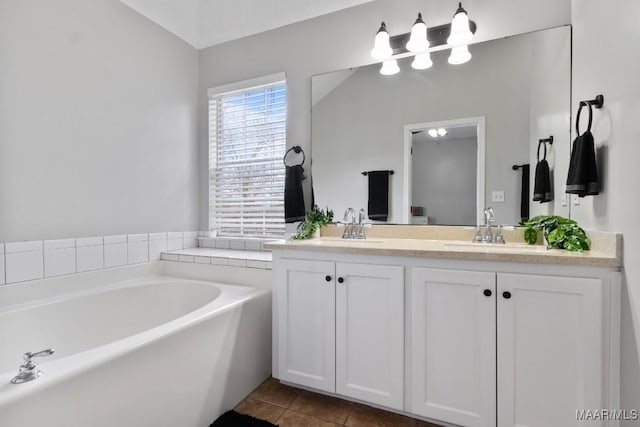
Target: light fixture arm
(437,36)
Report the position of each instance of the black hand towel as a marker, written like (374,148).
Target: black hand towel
(293,195)
(583,173)
(542,185)
(378,195)
(524,195)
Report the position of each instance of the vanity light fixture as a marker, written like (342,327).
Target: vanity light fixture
(421,39)
(381,47)
(442,132)
(460,29)
(433,133)
(422,61)
(418,42)
(459,55)
(389,67)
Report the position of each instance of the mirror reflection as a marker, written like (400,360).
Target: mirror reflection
(512,92)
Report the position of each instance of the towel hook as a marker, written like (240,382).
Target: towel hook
(296,149)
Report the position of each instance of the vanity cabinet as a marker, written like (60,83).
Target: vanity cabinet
(341,328)
(453,346)
(473,343)
(532,339)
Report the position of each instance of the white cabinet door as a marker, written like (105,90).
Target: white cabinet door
(370,333)
(306,323)
(550,342)
(453,347)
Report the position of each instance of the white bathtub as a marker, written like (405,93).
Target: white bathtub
(147,351)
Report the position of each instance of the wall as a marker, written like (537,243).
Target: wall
(99,125)
(606,61)
(444,179)
(360,124)
(342,40)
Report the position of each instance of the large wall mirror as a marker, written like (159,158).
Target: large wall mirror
(451,133)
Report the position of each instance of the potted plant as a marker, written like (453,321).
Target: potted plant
(315,219)
(559,232)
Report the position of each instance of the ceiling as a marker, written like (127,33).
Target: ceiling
(204,23)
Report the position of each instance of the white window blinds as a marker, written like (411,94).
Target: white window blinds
(247,139)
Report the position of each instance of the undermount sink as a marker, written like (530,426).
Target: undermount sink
(506,247)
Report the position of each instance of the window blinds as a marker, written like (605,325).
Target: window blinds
(247,139)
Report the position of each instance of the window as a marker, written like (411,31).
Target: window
(247,140)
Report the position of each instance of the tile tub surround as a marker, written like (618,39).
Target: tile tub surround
(455,243)
(228,257)
(292,407)
(33,260)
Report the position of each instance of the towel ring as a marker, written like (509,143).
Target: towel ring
(584,104)
(296,149)
(540,143)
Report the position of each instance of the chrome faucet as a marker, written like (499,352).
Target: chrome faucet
(350,223)
(29,369)
(489,221)
(361,216)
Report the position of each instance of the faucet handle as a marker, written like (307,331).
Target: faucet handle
(499,236)
(478,237)
(42,353)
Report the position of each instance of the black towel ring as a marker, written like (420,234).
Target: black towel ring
(541,143)
(296,149)
(582,105)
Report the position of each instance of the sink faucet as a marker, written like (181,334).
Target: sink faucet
(350,222)
(361,216)
(489,221)
(29,369)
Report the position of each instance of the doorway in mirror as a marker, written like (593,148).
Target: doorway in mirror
(444,172)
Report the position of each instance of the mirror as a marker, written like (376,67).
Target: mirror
(513,92)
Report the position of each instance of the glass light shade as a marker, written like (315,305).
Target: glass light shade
(389,67)
(459,55)
(418,40)
(381,47)
(422,61)
(442,131)
(460,31)
(433,133)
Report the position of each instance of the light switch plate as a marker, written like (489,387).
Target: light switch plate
(497,196)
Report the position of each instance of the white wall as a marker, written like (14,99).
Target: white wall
(342,40)
(444,179)
(98,128)
(606,61)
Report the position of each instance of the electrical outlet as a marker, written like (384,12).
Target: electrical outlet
(497,196)
(576,199)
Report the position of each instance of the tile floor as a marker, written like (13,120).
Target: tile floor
(292,407)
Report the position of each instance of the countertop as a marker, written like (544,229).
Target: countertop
(609,255)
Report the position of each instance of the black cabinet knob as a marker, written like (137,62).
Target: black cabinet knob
(340,280)
(506,294)
(487,292)
(327,278)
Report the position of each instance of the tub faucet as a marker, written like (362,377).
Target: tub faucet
(29,369)
(350,224)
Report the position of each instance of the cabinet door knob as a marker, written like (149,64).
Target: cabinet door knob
(506,294)
(487,292)
(340,280)
(327,278)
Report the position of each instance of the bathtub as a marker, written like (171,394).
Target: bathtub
(132,348)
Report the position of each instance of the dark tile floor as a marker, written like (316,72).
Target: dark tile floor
(292,407)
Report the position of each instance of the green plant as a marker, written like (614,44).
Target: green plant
(559,232)
(315,219)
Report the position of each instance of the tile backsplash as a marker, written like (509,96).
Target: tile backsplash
(24,261)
